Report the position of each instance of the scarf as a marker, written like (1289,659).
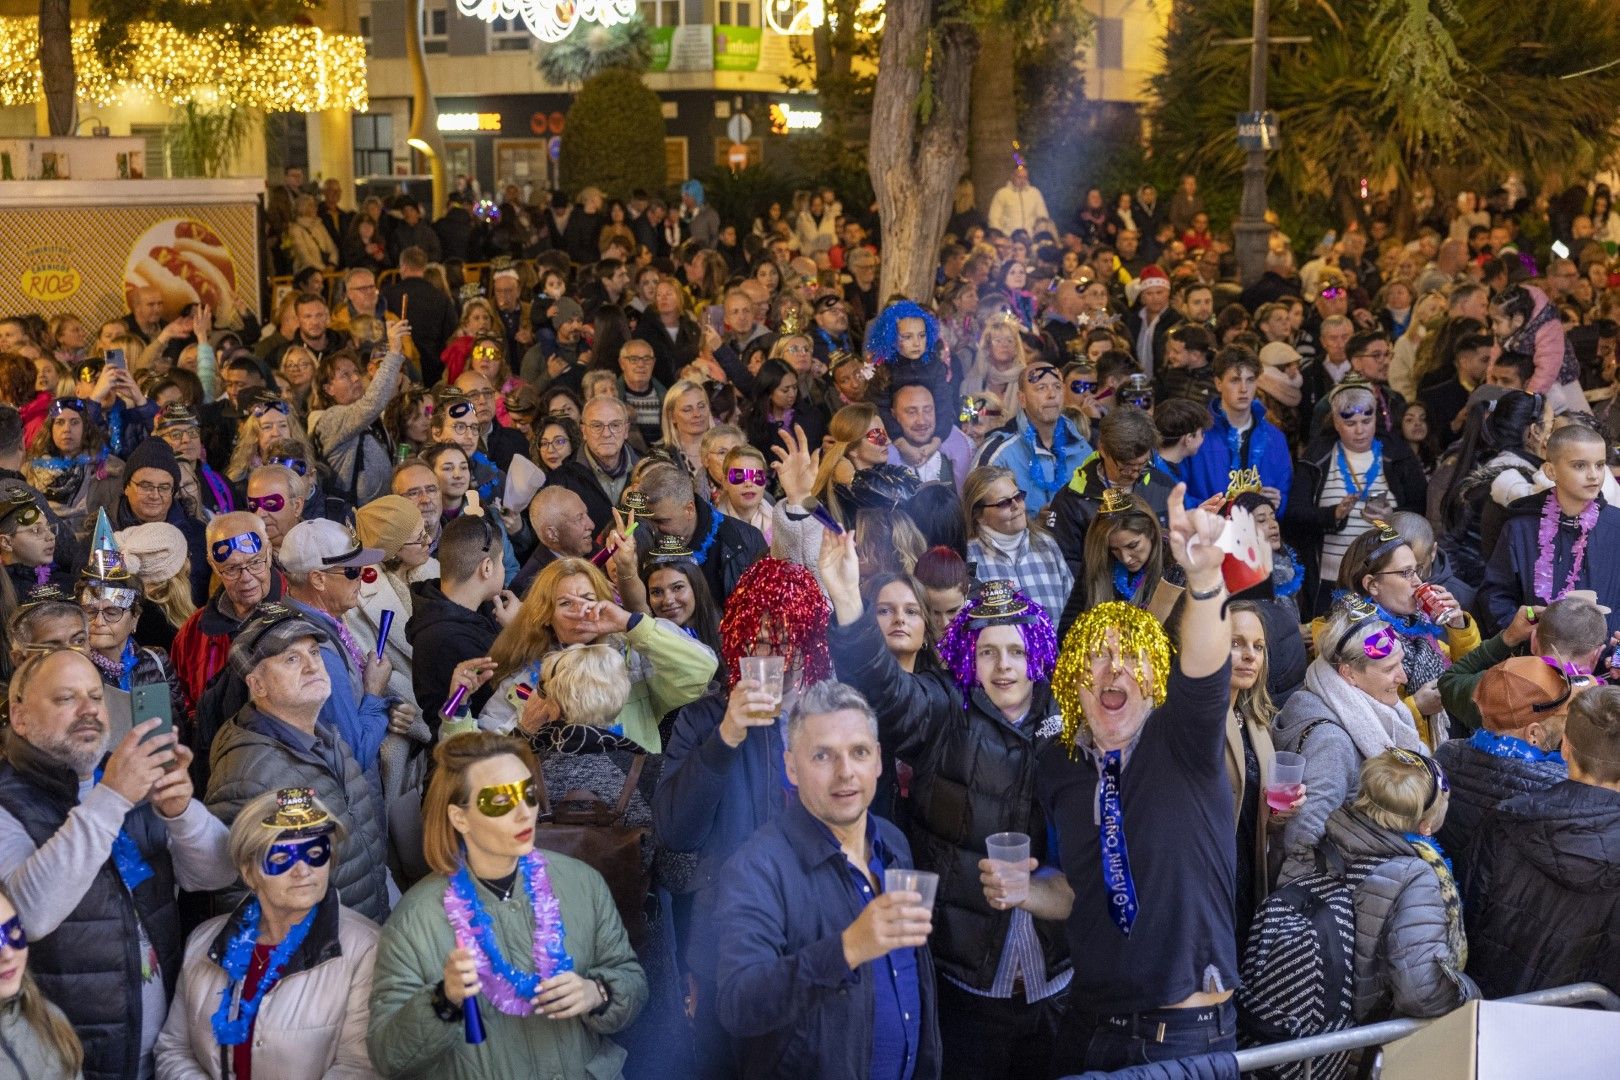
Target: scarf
(1428,849)
(1274,384)
(1372,726)
(1006,543)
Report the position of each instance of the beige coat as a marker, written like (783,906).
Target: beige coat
(312,1024)
(1260,735)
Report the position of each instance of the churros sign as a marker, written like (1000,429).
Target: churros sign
(92,260)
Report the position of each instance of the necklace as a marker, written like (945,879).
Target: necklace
(238,956)
(702,552)
(1547,547)
(1125,585)
(1364,491)
(507,987)
(1038,475)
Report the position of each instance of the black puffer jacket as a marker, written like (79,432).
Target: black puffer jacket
(1480,782)
(975,776)
(1543,892)
(1405,965)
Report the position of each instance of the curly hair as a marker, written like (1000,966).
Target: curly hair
(883,339)
(790,595)
(959,645)
(1142,643)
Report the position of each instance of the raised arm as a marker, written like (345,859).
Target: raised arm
(1205,637)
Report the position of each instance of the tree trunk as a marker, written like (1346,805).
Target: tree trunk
(916,163)
(58,80)
(994,122)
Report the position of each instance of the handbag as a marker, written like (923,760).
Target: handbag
(584,827)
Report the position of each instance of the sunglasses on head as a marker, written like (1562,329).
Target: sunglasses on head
(498,800)
(272,503)
(285,854)
(270,406)
(746,476)
(1142,399)
(459,409)
(22,504)
(973,408)
(1355,411)
(63,404)
(1332,292)
(1437,776)
(297,465)
(1036,375)
(1376,646)
(877,437)
(246,543)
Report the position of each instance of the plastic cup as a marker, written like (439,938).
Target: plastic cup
(1287,781)
(1009,857)
(922,882)
(768,671)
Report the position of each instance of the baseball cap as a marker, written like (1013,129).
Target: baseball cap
(1278,354)
(1519,690)
(324,545)
(271,630)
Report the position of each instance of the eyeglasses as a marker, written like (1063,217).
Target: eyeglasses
(146,487)
(612,427)
(283,856)
(270,406)
(477,395)
(558,443)
(297,465)
(746,476)
(637,358)
(423,540)
(498,800)
(1410,574)
(107,615)
(1015,499)
(459,428)
(877,437)
(272,503)
(234,573)
(1377,354)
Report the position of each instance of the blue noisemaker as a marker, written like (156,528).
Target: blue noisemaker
(472,1022)
(387,621)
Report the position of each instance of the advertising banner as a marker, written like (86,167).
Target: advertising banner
(736,48)
(89,260)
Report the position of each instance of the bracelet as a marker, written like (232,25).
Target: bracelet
(607,998)
(1219,588)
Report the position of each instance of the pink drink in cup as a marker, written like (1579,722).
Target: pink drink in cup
(1287,781)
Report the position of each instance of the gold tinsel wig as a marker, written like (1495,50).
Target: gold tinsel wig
(1140,637)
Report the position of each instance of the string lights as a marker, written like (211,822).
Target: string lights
(551,20)
(291,68)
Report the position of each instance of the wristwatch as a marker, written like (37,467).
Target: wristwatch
(607,998)
(443,1007)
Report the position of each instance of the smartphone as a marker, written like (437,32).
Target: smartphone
(115,359)
(148,701)
(1559,249)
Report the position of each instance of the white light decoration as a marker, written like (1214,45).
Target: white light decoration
(550,20)
(793,17)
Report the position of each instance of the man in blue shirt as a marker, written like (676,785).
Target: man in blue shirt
(1043,448)
(799,999)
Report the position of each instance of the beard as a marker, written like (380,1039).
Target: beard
(74,753)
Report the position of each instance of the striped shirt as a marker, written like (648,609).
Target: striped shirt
(1021,958)
(1335,544)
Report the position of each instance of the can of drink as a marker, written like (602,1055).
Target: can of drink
(1429,602)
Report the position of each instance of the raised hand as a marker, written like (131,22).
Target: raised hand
(796,465)
(892,921)
(749,706)
(1193,534)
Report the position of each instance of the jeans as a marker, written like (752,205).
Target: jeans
(1105,1042)
(983,1038)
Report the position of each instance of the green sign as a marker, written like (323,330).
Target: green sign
(736,48)
(663,40)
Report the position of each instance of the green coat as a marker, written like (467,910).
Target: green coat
(407,1039)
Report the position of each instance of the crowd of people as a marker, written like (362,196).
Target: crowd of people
(652,653)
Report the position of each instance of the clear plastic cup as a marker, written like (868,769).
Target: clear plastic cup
(921,882)
(1287,781)
(768,671)
(1009,858)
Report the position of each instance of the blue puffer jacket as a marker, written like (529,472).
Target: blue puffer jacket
(1480,782)
(1268,452)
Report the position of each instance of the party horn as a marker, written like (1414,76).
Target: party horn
(472,1022)
(453,706)
(601,557)
(382,632)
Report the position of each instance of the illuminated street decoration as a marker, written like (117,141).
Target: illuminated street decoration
(550,20)
(291,68)
(803,16)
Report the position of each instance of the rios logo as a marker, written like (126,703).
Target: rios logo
(47,275)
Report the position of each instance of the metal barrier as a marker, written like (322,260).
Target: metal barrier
(1359,1038)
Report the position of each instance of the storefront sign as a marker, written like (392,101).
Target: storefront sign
(785,118)
(470,121)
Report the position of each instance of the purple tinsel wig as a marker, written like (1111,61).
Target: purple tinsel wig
(883,338)
(960,643)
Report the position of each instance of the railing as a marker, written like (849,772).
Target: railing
(1359,1038)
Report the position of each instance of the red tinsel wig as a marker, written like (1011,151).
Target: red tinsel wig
(788,593)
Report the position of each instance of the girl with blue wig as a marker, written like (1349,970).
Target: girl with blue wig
(903,343)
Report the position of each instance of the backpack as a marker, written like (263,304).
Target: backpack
(1298,971)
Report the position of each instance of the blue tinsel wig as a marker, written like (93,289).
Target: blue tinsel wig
(883,338)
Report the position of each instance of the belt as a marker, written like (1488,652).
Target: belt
(1154,1024)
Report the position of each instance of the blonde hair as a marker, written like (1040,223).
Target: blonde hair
(979,374)
(589,683)
(973,491)
(530,634)
(848,427)
(447,787)
(245,456)
(1255,703)
(172,595)
(488,307)
(47,1022)
(1400,793)
(672,400)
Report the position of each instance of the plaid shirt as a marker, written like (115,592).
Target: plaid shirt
(1036,566)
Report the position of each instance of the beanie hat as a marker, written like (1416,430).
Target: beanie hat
(153,551)
(388,523)
(152,454)
(693,188)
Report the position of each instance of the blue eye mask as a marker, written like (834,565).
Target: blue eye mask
(283,856)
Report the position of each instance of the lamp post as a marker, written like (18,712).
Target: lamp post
(424,134)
